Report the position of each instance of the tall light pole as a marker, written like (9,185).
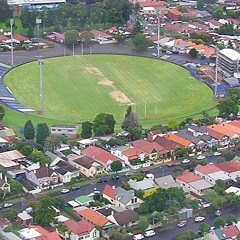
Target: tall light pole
(11,25)
(38,22)
(41,64)
(216,75)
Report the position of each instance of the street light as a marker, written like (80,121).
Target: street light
(38,22)
(41,64)
(158,32)
(11,25)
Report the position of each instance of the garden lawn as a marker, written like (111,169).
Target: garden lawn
(77,88)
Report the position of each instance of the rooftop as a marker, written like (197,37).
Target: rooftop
(188,177)
(231,54)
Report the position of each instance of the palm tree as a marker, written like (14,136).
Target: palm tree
(52,143)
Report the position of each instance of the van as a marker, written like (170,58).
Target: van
(28,210)
(149,233)
(138,236)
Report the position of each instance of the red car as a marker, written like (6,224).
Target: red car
(172,164)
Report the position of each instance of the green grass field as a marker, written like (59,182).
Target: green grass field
(77,88)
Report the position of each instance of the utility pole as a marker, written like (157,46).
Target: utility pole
(41,63)
(158,32)
(216,77)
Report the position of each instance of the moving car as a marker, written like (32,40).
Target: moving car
(74,188)
(182,224)
(138,236)
(218,213)
(64,190)
(172,164)
(200,157)
(199,219)
(184,161)
(216,154)
(115,177)
(7,205)
(149,233)
(102,180)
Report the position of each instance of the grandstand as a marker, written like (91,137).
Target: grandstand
(6,96)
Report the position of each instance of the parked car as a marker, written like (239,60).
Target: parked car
(115,177)
(182,224)
(74,188)
(138,236)
(200,157)
(169,52)
(172,164)
(185,161)
(218,213)
(216,154)
(7,205)
(199,219)
(128,173)
(64,190)
(149,233)
(102,180)
(28,210)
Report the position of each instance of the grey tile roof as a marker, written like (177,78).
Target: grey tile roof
(125,217)
(123,195)
(186,135)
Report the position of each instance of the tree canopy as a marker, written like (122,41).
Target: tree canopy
(228,107)
(103,124)
(42,133)
(5,11)
(140,42)
(2,111)
(29,131)
(116,166)
(86,129)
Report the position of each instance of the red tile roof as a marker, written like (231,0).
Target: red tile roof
(175,12)
(213,133)
(207,169)
(179,140)
(220,129)
(93,217)
(231,231)
(215,23)
(82,227)
(20,38)
(235,123)
(165,143)
(45,235)
(3,38)
(132,153)
(188,177)
(152,4)
(226,167)
(109,191)
(99,154)
(235,164)
(148,147)
(97,34)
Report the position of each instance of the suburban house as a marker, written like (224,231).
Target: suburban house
(212,173)
(4,185)
(166,182)
(145,184)
(24,218)
(65,171)
(9,164)
(94,217)
(42,177)
(213,24)
(13,155)
(221,138)
(153,150)
(38,232)
(153,134)
(82,230)
(127,218)
(193,182)
(101,156)
(121,197)
(222,128)
(64,130)
(128,154)
(182,142)
(84,200)
(173,14)
(86,165)
(194,140)
(167,144)
(84,143)
(232,172)
(102,37)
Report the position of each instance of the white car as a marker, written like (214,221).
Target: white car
(200,157)
(6,205)
(199,219)
(138,236)
(216,154)
(64,190)
(184,161)
(149,233)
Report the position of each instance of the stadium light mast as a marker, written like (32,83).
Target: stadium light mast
(216,76)
(41,64)
(158,32)
(38,22)
(11,25)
